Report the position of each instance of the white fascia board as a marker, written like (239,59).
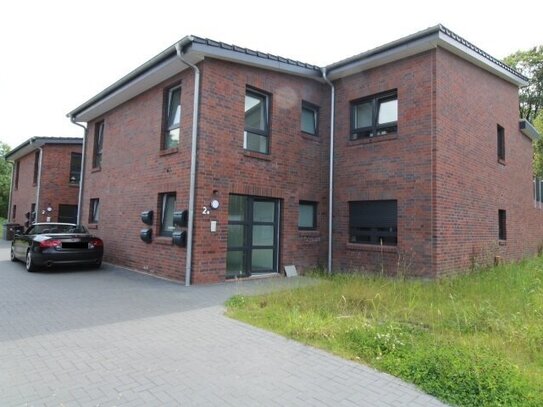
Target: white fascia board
(385,57)
(253,60)
(132,89)
(475,58)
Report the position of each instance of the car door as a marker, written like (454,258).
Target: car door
(21,243)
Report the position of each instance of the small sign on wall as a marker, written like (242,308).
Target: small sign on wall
(290,271)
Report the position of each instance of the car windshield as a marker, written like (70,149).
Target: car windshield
(55,228)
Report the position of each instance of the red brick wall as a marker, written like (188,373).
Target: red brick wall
(471,185)
(133,172)
(25,194)
(296,168)
(55,188)
(394,167)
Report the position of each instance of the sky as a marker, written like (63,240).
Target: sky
(57,54)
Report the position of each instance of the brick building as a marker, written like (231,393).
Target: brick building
(431,171)
(45,181)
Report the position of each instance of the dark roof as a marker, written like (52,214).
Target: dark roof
(188,41)
(422,34)
(247,51)
(478,50)
(170,53)
(28,146)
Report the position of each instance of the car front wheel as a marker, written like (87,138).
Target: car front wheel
(29,264)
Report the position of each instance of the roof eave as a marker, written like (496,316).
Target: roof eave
(422,41)
(528,130)
(165,65)
(373,59)
(34,143)
(464,52)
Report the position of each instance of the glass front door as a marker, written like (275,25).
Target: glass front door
(252,236)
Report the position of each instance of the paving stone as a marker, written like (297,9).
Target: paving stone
(111,337)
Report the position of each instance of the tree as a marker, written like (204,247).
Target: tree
(538,146)
(530,64)
(5,179)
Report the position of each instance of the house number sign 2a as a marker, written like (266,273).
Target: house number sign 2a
(205,210)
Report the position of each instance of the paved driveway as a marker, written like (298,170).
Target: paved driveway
(113,337)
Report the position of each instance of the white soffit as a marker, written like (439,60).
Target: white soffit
(133,88)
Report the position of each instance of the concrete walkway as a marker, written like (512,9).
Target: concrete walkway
(111,337)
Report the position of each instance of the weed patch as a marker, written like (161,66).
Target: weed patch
(471,340)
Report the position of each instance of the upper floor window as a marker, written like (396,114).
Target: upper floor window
(310,118)
(373,222)
(307,215)
(36,167)
(167,208)
(374,116)
(17,170)
(75,168)
(94,210)
(172,117)
(98,144)
(256,135)
(501,142)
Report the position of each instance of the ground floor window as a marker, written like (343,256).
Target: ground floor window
(373,222)
(94,210)
(307,215)
(166,209)
(502,224)
(67,213)
(253,224)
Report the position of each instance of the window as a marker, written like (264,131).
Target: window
(502,224)
(501,143)
(172,117)
(75,168)
(374,116)
(67,213)
(373,222)
(167,207)
(310,118)
(17,170)
(307,215)
(256,122)
(94,210)
(98,145)
(14,212)
(36,167)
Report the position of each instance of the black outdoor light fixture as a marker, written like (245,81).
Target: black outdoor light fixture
(181,218)
(179,238)
(146,235)
(147,217)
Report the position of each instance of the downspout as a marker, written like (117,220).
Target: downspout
(81,175)
(331,175)
(37,208)
(192,188)
(10,214)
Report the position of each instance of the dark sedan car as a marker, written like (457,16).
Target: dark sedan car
(48,244)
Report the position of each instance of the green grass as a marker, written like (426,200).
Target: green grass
(471,340)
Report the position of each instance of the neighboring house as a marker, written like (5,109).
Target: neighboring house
(431,171)
(45,180)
